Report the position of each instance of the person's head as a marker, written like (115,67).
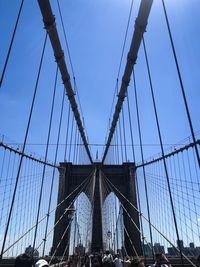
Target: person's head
(160,258)
(23,260)
(137,263)
(96,261)
(41,263)
(107,252)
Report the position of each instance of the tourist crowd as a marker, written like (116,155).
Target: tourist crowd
(95,260)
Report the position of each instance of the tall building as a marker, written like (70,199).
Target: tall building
(180,244)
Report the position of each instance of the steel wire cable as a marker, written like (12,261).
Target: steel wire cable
(70,60)
(153,226)
(46,153)
(11,43)
(124,133)
(47,215)
(120,62)
(24,145)
(67,133)
(161,145)
(142,157)
(181,81)
(60,218)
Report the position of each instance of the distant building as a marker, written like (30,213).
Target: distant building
(158,248)
(80,250)
(172,251)
(147,249)
(191,245)
(180,244)
(191,250)
(188,251)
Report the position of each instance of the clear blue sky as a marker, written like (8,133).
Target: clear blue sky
(95,31)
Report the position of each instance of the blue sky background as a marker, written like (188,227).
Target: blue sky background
(95,31)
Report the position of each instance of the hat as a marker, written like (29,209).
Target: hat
(41,263)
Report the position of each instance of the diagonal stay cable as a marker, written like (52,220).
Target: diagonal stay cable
(131,242)
(56,223)
(62,215)
(53,255)
(67,246)
(24,145)
(59,243)
(110,189)
(42,219)
(134,224)
(146,219)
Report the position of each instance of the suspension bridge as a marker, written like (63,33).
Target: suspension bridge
(80,202)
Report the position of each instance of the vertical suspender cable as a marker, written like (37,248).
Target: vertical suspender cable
(67,133)
(117,146)
(65,36)
(162,150)
(136,178)
(77,148)
(50,26)
(53,175)
(121,144)
(70,145)
(75,142)
(125,38)
(11,43)
(75,221)
(115,149)
(124,131)
(70,59)
(140,27)
(143,168)
(130,125)
(46,154)
(181,83)
(23,148)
